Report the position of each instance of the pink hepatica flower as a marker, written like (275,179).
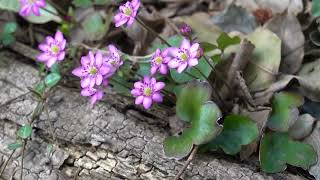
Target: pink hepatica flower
(159,62)
(185,56)
(94,94)
(127,13)
(113,60)
(92,70)
(52,49)
(147,91)
(31,5)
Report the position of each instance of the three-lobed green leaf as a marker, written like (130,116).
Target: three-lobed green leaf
(315,8)
(277,150)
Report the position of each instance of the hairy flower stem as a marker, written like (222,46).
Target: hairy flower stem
(6,163)
(22,157)
(152,31)
(186,164)
(217,73)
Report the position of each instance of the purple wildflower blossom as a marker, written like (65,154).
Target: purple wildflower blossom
(185,56)
(52,49)
(113,60)
(147,91)
(31,5)
(185,30)
(127,13)
(94,94)
(159,62)
(92,70)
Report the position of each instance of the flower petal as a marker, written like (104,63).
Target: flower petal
(157,97)
(136,92)
(163,69)
(159,85)
(139,100)
(153,70)
(35,10)
(194,47)
(58,36)
(99,79)
(138,85)
(174,63)
(85,82)
(87,92)
(185,44)
(182,67)
(147,102)
(44,47)
(193,62)
(146,79)
(40,3)
(98,59)
(43,57)
(80,72)
(51,61)
(61,56)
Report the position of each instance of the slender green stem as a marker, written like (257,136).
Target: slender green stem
(123,85)
(6,163)
(152,31)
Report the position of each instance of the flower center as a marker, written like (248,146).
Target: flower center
(147,91)
(93,71)
(128,11)
(158,60)
(55,49)
(184,57)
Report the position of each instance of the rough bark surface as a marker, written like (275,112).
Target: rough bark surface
(112,140)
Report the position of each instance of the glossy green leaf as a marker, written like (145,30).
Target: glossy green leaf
(237,131)
(277,150)
(202,130)
(52,79)
(174,41)
(10,27)
(190,100)
(224,41)
(15,145)
(282,116)
(82,3)
(315,8)
(25,131)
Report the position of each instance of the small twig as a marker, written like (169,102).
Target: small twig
(6,163)
(77,173)
(152,31)
(186,164)
(22,156)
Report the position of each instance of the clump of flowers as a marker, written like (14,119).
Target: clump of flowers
(185,56)
(127,13)
(95,70)
(147,91)
(159,62)
(53,49)
(28,6)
